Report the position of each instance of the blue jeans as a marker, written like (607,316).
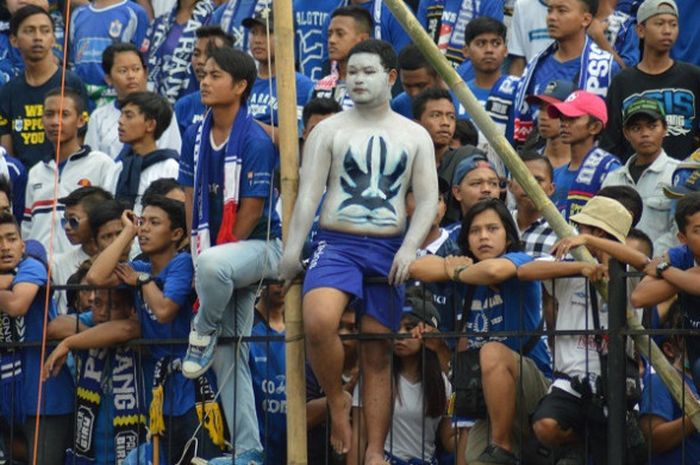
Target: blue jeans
(226,280)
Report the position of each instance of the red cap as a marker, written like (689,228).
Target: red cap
(580,103)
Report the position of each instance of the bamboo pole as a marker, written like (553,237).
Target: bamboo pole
(289,165)
(521,174)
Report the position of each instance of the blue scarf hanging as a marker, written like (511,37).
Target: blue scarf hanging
(132,167)
(589,179)
(233,153)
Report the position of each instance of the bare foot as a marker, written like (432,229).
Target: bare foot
(341,430)
(372,458)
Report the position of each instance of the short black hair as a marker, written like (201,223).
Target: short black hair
(214,32)
(532,155)
(110,52)
(386,53)
(641,236)
(628,197)
(153,106)
(412,59)
(687,206)
(513,243)
(361,17)
(466,132)
(174,209)
(160,187)
(429,94)
(78,100)
(88,197)
(103,213)
(483,25)
(24,13)
(319,106)
(591,6)
(238,64)
(9,218)
(6,187)
(72,294)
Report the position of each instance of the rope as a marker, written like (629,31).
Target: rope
(52,233)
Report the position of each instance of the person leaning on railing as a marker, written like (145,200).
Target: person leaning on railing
(500,302)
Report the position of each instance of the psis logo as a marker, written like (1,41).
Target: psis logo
(84,182)
(115,28)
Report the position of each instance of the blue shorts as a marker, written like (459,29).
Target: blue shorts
(343,261)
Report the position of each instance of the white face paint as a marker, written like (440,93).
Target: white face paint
(367,81)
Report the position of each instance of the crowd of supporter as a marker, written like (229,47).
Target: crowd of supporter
(139,173)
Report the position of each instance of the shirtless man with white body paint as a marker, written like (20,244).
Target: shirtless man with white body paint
(365,158)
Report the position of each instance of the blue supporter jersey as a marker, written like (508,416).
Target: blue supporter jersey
(175,280)
(93,30)
(512,305)
(260,159)
(445,21)
(230,16)
(686,46)
(189,110)
(57,392)
(263,105)
(682,257)
(551,69)
(311,18)
(562,177)
(18,180)
(657,401)
(403,105)
(386,26)
(267,369)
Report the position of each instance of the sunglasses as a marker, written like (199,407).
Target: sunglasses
(71,222)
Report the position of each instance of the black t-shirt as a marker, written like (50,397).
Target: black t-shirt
(676,88)
(637,170)
(21,109)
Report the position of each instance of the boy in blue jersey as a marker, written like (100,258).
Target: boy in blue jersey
(263,95)
(94,27)
(190,109)
(485,46)
(583,116)
(573,57)
(22,99)
(267,367)
(110,322)
(349,26)
(164,309)
(226,166)
(416,75)
(22,300)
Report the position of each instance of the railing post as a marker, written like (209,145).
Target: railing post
(616,401)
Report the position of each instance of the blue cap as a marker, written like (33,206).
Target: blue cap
(554,92)
(469,164)
(686,178)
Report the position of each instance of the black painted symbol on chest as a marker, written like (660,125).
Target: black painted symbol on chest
(376,185)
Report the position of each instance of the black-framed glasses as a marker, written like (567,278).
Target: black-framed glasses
(71,222)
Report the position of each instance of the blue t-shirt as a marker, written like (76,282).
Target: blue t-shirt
(563,177)
(403,105)
(267,369)
(389,29)
(550,69)
(656,400)
(512,305)
(259,163)
(682,257)
(480,93)
(57,394)
(175,280)
(686,46)
(93,30)
(263,105)
(311,18)
(189,110)
(18,181)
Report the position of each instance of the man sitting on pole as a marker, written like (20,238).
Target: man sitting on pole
(365,159)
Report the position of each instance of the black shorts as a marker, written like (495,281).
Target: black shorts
(569,411)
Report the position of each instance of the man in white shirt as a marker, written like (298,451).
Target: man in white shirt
(125,70)
(644,127)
